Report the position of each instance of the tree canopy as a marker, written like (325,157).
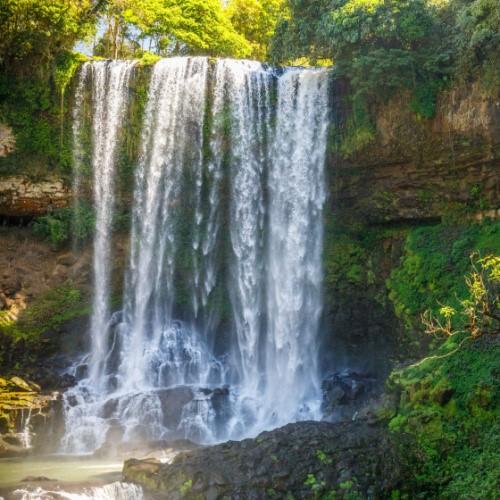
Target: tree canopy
(35,31)
(168,27)
(256,20)
(383,46)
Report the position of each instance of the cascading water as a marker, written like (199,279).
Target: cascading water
(78,149)
(109,80)
(249,90)
(172,140)
(112,491)
(227,209)
(294,270)
(109,98)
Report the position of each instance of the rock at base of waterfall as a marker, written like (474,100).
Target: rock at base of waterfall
(297,459)
(350,395)
(27,417)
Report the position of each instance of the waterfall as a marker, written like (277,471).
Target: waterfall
(207,222)
(78,147)
(294,269)
(109,99)
(222,301)
(171,140)
(249,103)
(112,491)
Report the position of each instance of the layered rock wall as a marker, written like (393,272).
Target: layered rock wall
(21,196)
(418,169)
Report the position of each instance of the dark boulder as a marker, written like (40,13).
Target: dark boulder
(346,394)
(303,460)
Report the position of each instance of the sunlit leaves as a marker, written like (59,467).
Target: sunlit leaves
(256,20)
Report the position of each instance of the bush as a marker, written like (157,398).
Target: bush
(61,226)
(433,265)
(449,405)
(479,311)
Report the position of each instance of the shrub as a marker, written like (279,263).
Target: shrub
(65,224)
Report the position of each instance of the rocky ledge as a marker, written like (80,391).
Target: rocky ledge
(24,411)
(300,460)
(22,197)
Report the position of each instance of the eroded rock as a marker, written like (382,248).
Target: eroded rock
(25,416)
(306,460)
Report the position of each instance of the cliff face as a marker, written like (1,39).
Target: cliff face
(21,196)
(419,169)
(415,169)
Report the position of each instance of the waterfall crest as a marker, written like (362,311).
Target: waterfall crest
(217,337)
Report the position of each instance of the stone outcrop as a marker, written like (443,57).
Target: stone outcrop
(418,169)
(301,460)
(25,415)
(21,196)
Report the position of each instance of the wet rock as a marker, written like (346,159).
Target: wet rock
(347,393)
(172,402)
(21,196)
(282,462)
(109,408)
(26,416)
(36,479)
(112,441)
(81,371)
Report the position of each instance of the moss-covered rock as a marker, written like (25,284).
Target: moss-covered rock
(24,413)
(450,406)
(433,265)
(302,460)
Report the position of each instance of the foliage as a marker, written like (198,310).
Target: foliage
(256,20)
(30,107)
(449,400)
(34,32)
(433,265)
(449,404)
(49,311)
(62,225)
(382,47)
(35,62)
(304,33)
(477,38)
(67,63)
(169,27)
(479,311)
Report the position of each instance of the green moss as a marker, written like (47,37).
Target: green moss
(48,312)
(354,260)
(357,131)
(456,439)
(65,224)
(433,265)
(186,487)
(35,109)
